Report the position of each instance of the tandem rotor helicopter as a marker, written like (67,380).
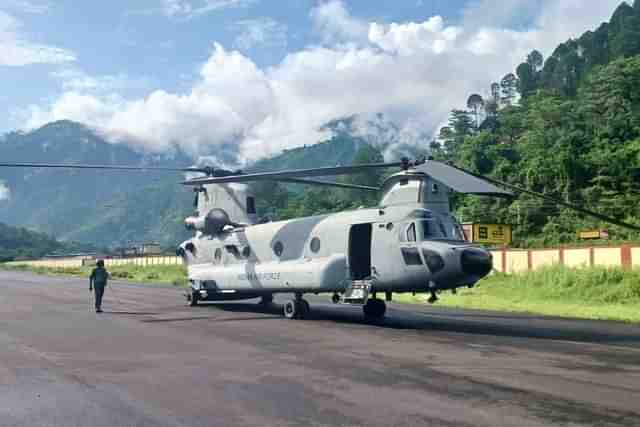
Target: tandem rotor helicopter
(410,242)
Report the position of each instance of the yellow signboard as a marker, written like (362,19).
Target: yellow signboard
(593,234)
(492,233)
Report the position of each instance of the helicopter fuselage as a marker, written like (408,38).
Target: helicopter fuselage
(402,248)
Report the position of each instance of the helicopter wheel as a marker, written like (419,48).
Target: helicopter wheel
(306,308)
(374,309)
(266,299)
(193,298)
(296,309)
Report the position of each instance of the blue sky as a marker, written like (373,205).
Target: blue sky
(143,41)
(186,64)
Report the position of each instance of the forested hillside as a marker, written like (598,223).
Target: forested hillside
(19,243)
(567,126)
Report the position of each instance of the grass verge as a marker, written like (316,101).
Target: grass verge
(588,293)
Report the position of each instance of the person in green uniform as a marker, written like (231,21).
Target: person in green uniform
(98,280)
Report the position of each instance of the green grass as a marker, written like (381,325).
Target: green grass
(164,274)
(590,293)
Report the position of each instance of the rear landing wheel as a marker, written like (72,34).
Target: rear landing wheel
(374,309)
(296,309)
(266,299)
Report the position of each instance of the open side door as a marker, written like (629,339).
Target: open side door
(360,251)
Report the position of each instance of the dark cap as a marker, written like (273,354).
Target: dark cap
(100,263)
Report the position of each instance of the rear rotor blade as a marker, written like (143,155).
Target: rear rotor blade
(554,200)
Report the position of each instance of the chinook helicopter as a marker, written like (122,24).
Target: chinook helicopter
(409,242)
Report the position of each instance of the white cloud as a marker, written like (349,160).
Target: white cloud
(16,51)
(75,80)
(5,193)
(414,73)
(260,32)
(334,22)
(413,38)
(188,9)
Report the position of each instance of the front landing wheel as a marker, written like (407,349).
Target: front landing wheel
(193,298)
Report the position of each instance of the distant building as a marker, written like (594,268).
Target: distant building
(150,249)
(144,249)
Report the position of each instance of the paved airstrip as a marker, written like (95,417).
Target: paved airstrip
(149,360)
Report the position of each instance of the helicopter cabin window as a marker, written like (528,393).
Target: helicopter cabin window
(315,245)
(251,205)
(246,252)
(411,256)
(233,250)
(278,248)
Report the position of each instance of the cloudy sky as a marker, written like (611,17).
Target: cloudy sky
(263,74)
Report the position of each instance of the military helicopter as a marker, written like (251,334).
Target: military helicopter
(410,242)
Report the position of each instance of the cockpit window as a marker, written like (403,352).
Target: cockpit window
(458,232)
(442,229)
(411,233)
(436,229)
(428,229)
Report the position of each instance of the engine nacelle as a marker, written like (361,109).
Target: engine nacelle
(210,224)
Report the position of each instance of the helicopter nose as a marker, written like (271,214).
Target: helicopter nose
(476,262)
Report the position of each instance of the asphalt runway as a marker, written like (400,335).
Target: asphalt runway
(150,360)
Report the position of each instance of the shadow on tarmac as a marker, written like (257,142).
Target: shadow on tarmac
(131,313)
(215,318)
(511,326)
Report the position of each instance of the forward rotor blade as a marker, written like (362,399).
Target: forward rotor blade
(329,184)
(554,200)
(108,167)
(295,173)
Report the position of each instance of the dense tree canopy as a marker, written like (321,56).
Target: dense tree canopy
(572,131)
(22,243)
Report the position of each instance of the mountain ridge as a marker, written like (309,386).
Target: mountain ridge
(110,208)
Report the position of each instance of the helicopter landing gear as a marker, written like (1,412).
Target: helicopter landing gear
(192,298)
(433,298)
(374,309)
(266,299)
(297,308)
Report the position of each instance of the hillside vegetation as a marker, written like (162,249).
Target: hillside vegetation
(22,243)
(568,127)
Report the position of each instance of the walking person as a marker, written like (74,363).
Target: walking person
(98,280)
